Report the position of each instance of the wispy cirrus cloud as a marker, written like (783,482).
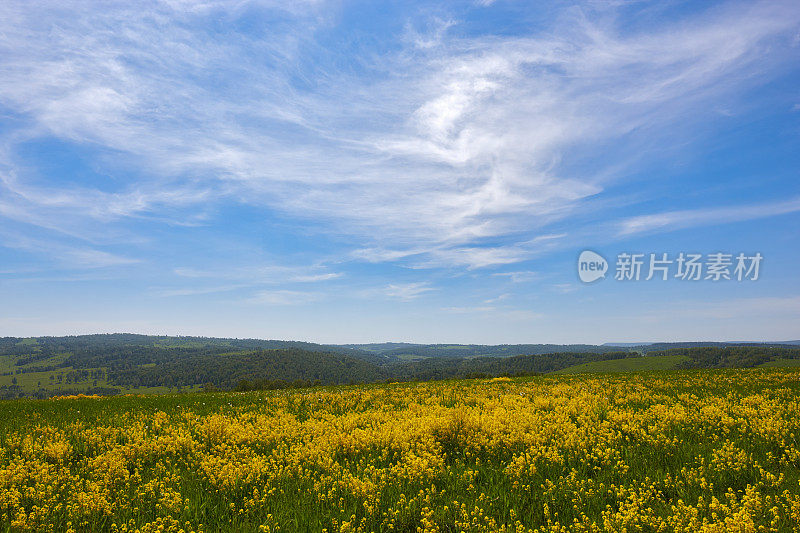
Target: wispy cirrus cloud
(404,291)
(268,273)
(95,259)
(194,291)
(520,276)
(500,298)
(65,255)
(469,310)
(564,288)
(471,257)
(256,155)
(674,220)
(210,281)
(439,149)
(520,315)
(312,278)
(283,297)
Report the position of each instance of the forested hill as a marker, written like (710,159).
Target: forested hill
(108,364)
(125,349)
(659,347)
(395,351)
(263,368)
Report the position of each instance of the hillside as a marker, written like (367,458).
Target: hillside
(264,369)
(119,363)
(630,364)
(421,351)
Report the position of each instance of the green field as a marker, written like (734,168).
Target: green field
(630,364)
(411,357)
(31,341)
(34,381)
(678,451)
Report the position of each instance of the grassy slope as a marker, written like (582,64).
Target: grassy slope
(630,364)
(33,381)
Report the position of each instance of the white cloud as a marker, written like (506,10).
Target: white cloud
(283,297)
(64,254)
(311,278)
(516,315)
(564,288)
(216,280)
(520,276)
(437,151)
(674,220)
(252,277)
(406,291)
(472,257)
(263,274)
(193,291)
(469,310)
(522,315)
(95,259)
(499,298)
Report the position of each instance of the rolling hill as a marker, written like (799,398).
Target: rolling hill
(118,363)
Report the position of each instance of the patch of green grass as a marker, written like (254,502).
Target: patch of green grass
(7,362)
(53,360)
(32,381)
(629,364)
(411,357)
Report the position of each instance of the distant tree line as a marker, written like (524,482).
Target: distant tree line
(286,368)
(125,350)
(500,350)
(134,361)
(451,368)
(15,391)
(226,371)
(661,348)
(732,356)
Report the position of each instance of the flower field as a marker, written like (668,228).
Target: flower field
(663,451)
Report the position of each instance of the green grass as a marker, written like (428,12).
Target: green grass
(629,364)
(31,382)
(568,483)
(411,357)
(6,363)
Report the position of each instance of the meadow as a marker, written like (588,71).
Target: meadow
(632,364)
(691,450)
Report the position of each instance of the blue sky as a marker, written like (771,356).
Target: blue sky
(370,171)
